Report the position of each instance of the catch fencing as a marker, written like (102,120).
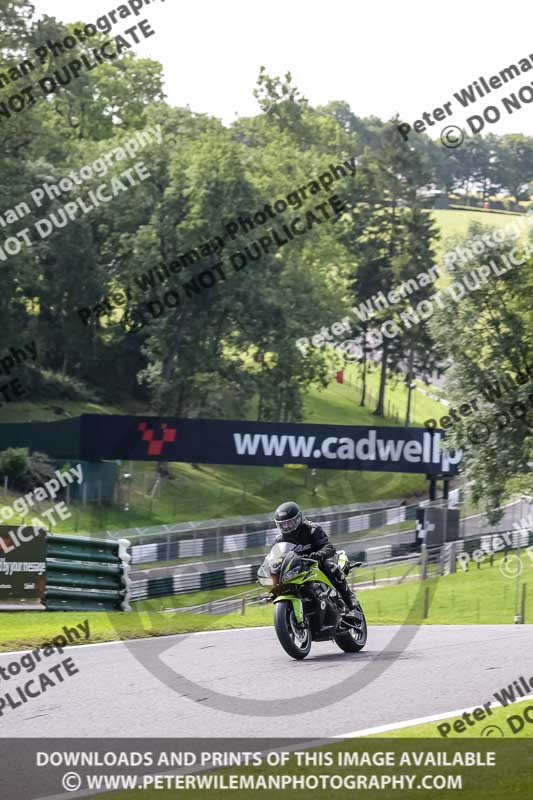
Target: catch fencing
(168,549)
(437,560)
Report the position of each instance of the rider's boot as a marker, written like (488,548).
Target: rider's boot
(348,597)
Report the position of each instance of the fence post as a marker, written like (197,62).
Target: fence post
(243,606)
(524,586)
(453,557)
(423,562)
(426,602)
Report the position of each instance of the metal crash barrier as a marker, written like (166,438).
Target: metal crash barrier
(84,574)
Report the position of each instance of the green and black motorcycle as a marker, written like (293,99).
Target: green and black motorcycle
(307,607)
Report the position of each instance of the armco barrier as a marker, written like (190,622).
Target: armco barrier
(85,574)
(169,548)
(184,583)
(194,582)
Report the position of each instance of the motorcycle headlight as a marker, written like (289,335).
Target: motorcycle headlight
(292,573)
(264,581)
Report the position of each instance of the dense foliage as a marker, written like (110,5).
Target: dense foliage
(237,341)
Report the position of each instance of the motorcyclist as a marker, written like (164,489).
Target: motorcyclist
(312,542)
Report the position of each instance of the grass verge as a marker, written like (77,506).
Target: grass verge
(501,722)
(480,596)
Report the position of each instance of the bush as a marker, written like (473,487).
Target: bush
(39,470)
(48,385)
(13,463)
(23,471)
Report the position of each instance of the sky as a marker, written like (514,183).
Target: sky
(382,57)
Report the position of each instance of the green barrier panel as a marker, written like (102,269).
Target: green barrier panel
(90,569)
(100,583)
(96,545)
(81,605)
(80,554)
(75,594)
(213,580)
(82,581)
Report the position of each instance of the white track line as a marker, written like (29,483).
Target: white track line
(140,639)
(396,726)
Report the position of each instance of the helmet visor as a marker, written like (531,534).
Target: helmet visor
(289,525)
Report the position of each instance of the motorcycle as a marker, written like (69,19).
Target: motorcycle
(307,607)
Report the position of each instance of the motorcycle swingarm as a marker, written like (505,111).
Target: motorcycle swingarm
(296,605)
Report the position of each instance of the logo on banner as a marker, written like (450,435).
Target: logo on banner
(155,445)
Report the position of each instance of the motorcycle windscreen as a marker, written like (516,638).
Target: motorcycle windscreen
(274,559)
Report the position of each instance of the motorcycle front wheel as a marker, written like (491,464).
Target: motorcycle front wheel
(295,639)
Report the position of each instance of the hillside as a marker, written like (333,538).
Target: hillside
(207,491)
(210,491)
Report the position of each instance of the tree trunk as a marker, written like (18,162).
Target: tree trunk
(363,390)
(382,381)
(409,390)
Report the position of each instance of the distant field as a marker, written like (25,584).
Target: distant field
(455,222)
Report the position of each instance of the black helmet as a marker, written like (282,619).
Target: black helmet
(288,517)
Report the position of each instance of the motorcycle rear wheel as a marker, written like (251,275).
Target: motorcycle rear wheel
(354,639)
(295,642)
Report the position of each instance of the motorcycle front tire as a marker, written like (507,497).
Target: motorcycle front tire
(295,643)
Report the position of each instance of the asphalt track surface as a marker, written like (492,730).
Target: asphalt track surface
(241,683)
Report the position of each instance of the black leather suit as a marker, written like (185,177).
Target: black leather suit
(313,537)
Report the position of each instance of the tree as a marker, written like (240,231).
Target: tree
(389,236)
(485,337)
(516,164)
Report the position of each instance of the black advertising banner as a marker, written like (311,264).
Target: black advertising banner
(22,562)
(208,441)
(61,439)
(92,437)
